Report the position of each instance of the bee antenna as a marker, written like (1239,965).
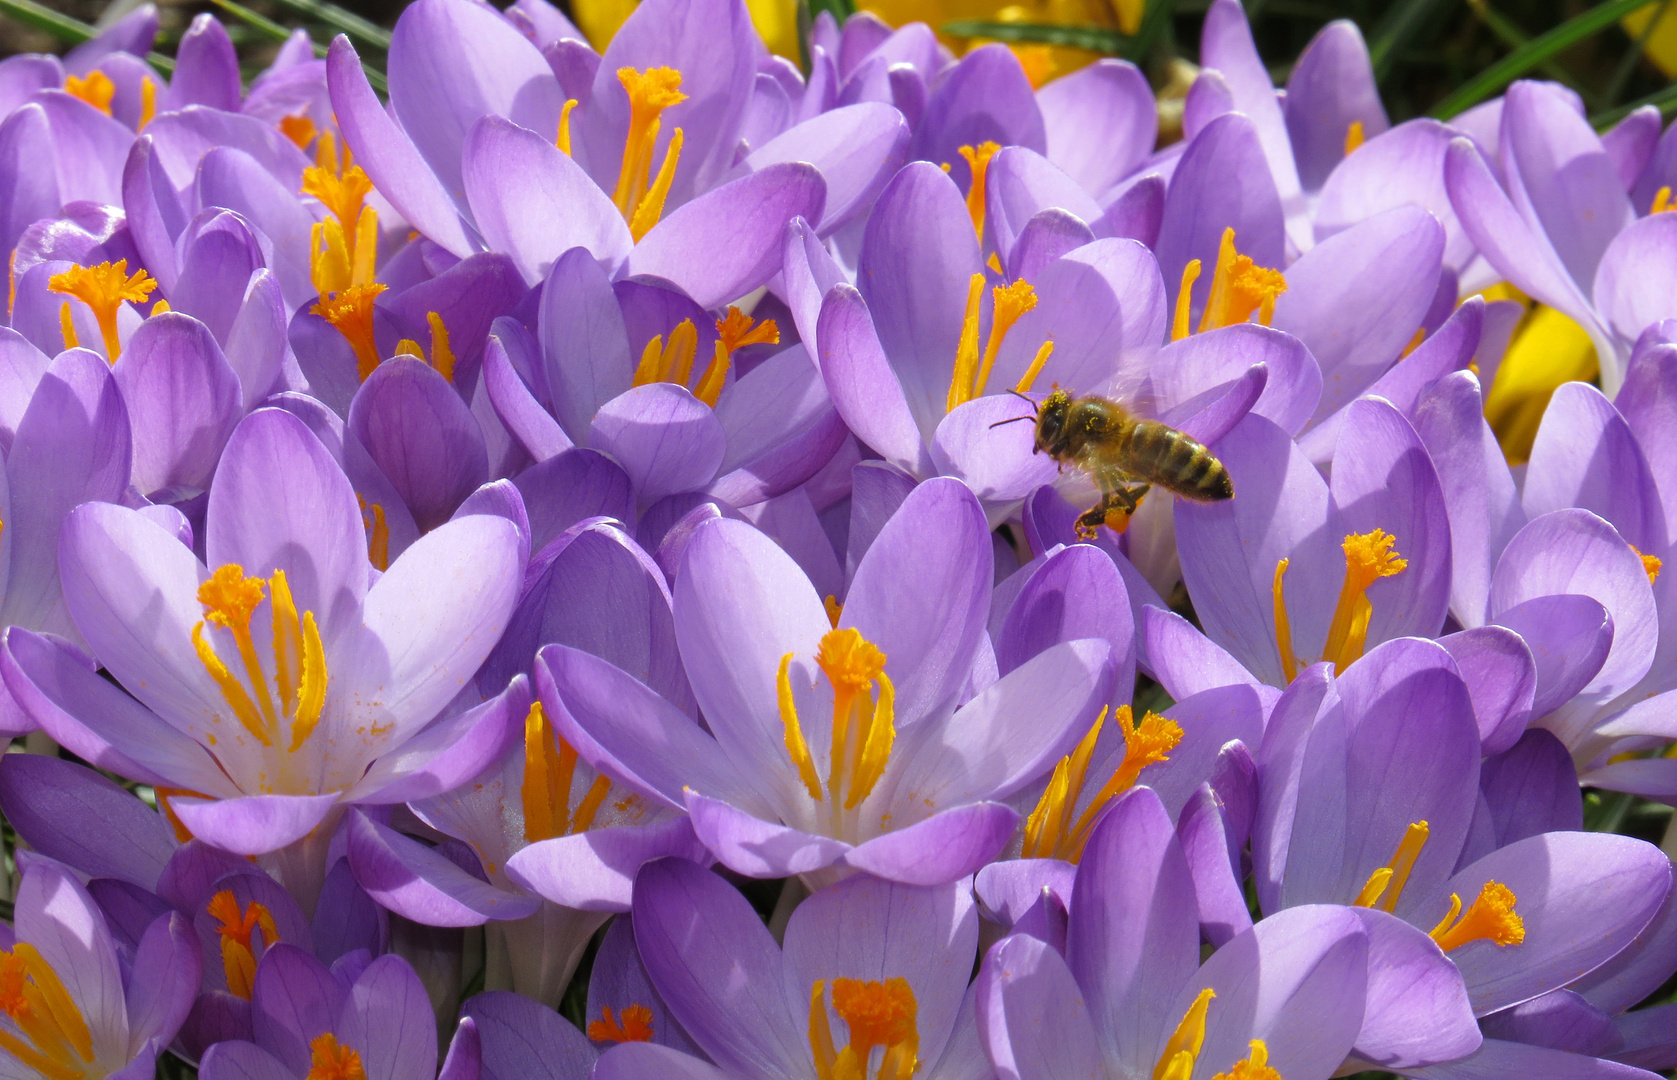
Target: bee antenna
(1022,397)
(1012,420)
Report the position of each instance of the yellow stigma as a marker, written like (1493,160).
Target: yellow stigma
(330,1059)
(299,129)
(640,199)
(103,288)
(1353,137)
(1662,201)
(230,600)
(1386,884)
(351,312)
(864,727)
(442,357)
(51,1032)
(881,1014)
(1650,564)
(636,1025)
(236,928)
(972,370)
(978,160)
(1491,918)
(1239,287)
(1255,1066)
(96,89)
(549,773)
(1368,558)
(733,332)
(1176,1062)
(1050,831)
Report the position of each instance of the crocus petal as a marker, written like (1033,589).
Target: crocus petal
(1032,1016)
(1331,87)
(717,968)
(1638,256)
(1077,593)
(389,155)
(1019,184)
(421,436)
(1418,1011)
(1501,678)
(182,399)
(948,845)
(858,148)
(666,439)
(1109,96)
(529,423)
(254,824)
(160,990)
(1404,166)
(781,429)
(57,916)
(865,389)
(595,870)
(1497,1058)
(389,1017)
(53,803)
(1189,372)
(524,1038)
(513,177)
(986,96)
(762,848)
(418,883)
(631,1061)
(1582,897)
(1226,44)
(1569,636)
(727,242)
(1585,455)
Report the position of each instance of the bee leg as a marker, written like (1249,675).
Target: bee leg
(1120,504)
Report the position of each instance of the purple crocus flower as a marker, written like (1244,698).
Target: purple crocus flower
(1556,220)
(361,664)
(887,962)
(71,1007)
(1368,796)
(1293,995)
(354,1019)
(476,169)
(872,739)
(521,1039)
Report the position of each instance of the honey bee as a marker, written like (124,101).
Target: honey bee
(1124,455)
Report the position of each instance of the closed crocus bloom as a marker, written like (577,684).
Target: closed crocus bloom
(822,1006)
(839,740)
(71,1008)
(283,682)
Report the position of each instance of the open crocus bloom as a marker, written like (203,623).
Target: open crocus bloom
(822,1006)
(288,678)
(873,739)
(68,1009)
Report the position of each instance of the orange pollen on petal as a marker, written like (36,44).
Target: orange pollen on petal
(330,1059)
(350,311)
(978,160)
(1239,287)
(1650,564)
(299,129)
(1491,918)
(635,1025)
(103,288)
(96,88)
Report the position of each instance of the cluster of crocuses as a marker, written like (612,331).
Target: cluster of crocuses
(523,520)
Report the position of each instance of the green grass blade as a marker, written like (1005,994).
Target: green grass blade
(1094,38)
(1401,23)
(1535,52)
(66,29)
(347,22)
(1154,23)
(1666,100)
(1515,38)
(271,29)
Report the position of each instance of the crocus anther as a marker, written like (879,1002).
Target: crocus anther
(1650,564)
(235,929)
(1368,558)
(733,332)
(878,1014)
(33,996)
(1353,137)
(350,311)
(96,88)
(103,288)
(1385,885)
(978,160)
(1176,1061)
(972,369)
(549,772)
(330,1059)
(442,357)
(864,727)
(635,1025)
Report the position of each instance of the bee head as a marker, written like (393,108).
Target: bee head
(1051,420)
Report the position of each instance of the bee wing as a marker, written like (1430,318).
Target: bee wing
(1130,386)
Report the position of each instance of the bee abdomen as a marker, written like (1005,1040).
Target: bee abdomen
(1178,463)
